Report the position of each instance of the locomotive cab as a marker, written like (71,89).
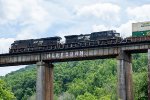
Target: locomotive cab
(13,47)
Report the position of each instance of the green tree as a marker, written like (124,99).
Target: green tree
(5,93)
(140,86)
(86,96)
(22,82)
(66,96)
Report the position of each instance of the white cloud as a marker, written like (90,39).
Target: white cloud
(139,13)
(125,29)
(5,44)
(9,11)
(89,14)
(25,9)
(5,70)
(97,28)
(29,15)
(103,11)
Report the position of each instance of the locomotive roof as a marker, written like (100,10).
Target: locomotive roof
(56,37)
(77,35)
(114,31)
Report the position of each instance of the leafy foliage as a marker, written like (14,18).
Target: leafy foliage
(5,93)
(66,96)
(22,82)
(86,96)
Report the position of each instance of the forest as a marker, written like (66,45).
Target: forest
(77,80)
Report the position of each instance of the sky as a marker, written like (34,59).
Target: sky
(26,19)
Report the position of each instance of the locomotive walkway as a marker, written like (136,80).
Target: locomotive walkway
(45,67)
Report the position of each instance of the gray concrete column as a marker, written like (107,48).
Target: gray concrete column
(40,81)
(44,85)
(148,74)
(125,90)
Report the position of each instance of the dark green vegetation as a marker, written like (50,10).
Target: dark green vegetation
(5,92)
(84,80)
(22,82)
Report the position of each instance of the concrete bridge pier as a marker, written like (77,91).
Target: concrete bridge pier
(44,85)
(148,74)
(125,84)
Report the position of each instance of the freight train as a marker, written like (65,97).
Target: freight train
(103,38)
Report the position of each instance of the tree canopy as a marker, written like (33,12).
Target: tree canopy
(5,92)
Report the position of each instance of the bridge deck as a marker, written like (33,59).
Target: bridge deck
(72,54)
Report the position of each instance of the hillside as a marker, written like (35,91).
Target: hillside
(82,80)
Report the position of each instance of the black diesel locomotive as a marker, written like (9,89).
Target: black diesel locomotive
(33,45)
(72,41)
